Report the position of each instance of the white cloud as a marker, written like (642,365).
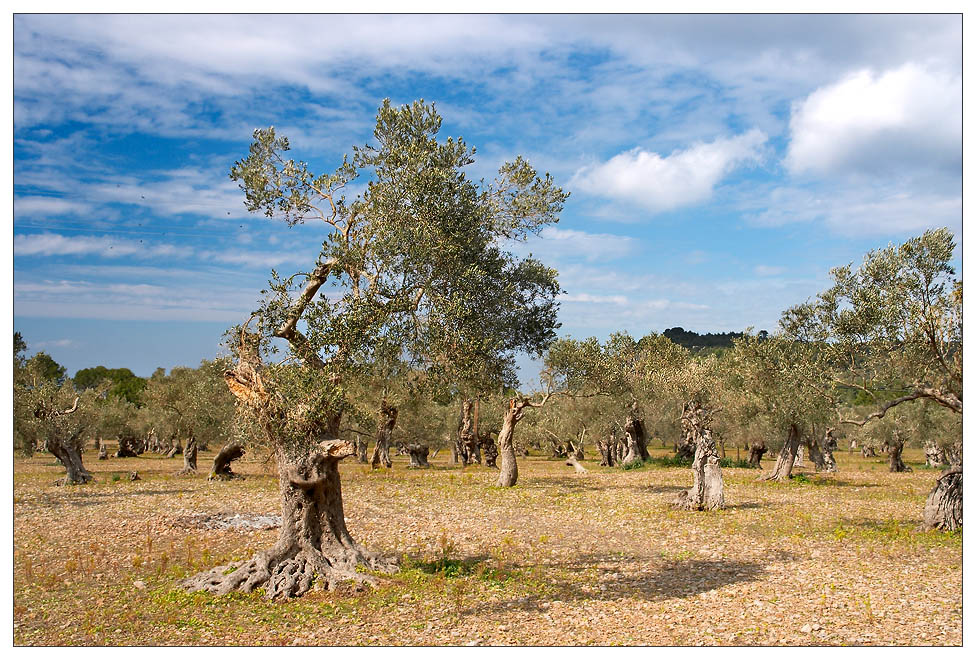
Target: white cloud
(136,301)
(590,298)
(858,211)
(48,244)
(258,259)
(55,343)
(112,247)
(765,271)
(879,123)
(680,179)
(31,206)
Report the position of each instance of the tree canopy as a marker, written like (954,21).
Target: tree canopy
(894,323)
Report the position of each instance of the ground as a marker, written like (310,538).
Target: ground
(596,558)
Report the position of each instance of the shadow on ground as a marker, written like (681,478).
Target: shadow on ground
(670,579)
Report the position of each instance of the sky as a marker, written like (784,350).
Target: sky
(718,165)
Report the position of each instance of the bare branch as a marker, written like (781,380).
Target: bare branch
(950,401)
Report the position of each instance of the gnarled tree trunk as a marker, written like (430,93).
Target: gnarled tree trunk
(313,543)
(822,452)
(707,491)
(127,447)
(934,455)
(633,455)
(757,448)
(488,449)
(867,451)
(221,463)
(827,447)
(686,448)
(576,448)
(381,451)
(787,456)
(66,448)
(362,449)
(176,448)
(418,455)
(619,450)
(190,457)
(606,448)
(68,452)
(943,507)
(895,447)
(508,473)
(634,425)
(468,449)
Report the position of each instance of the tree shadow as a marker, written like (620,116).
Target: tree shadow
(673,579)
(660,488)
(745,505)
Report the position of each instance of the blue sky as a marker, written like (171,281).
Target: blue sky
(718,165)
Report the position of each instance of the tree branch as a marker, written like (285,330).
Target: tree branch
(950,401)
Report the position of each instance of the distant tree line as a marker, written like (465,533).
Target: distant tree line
(694,342)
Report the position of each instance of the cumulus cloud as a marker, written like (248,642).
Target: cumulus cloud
(661,183)
(872,123)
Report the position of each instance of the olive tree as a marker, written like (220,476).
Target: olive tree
(894,324)
(57,417)
(609,373)
(780,382)
(415,257)
(190,405)
(690,384)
